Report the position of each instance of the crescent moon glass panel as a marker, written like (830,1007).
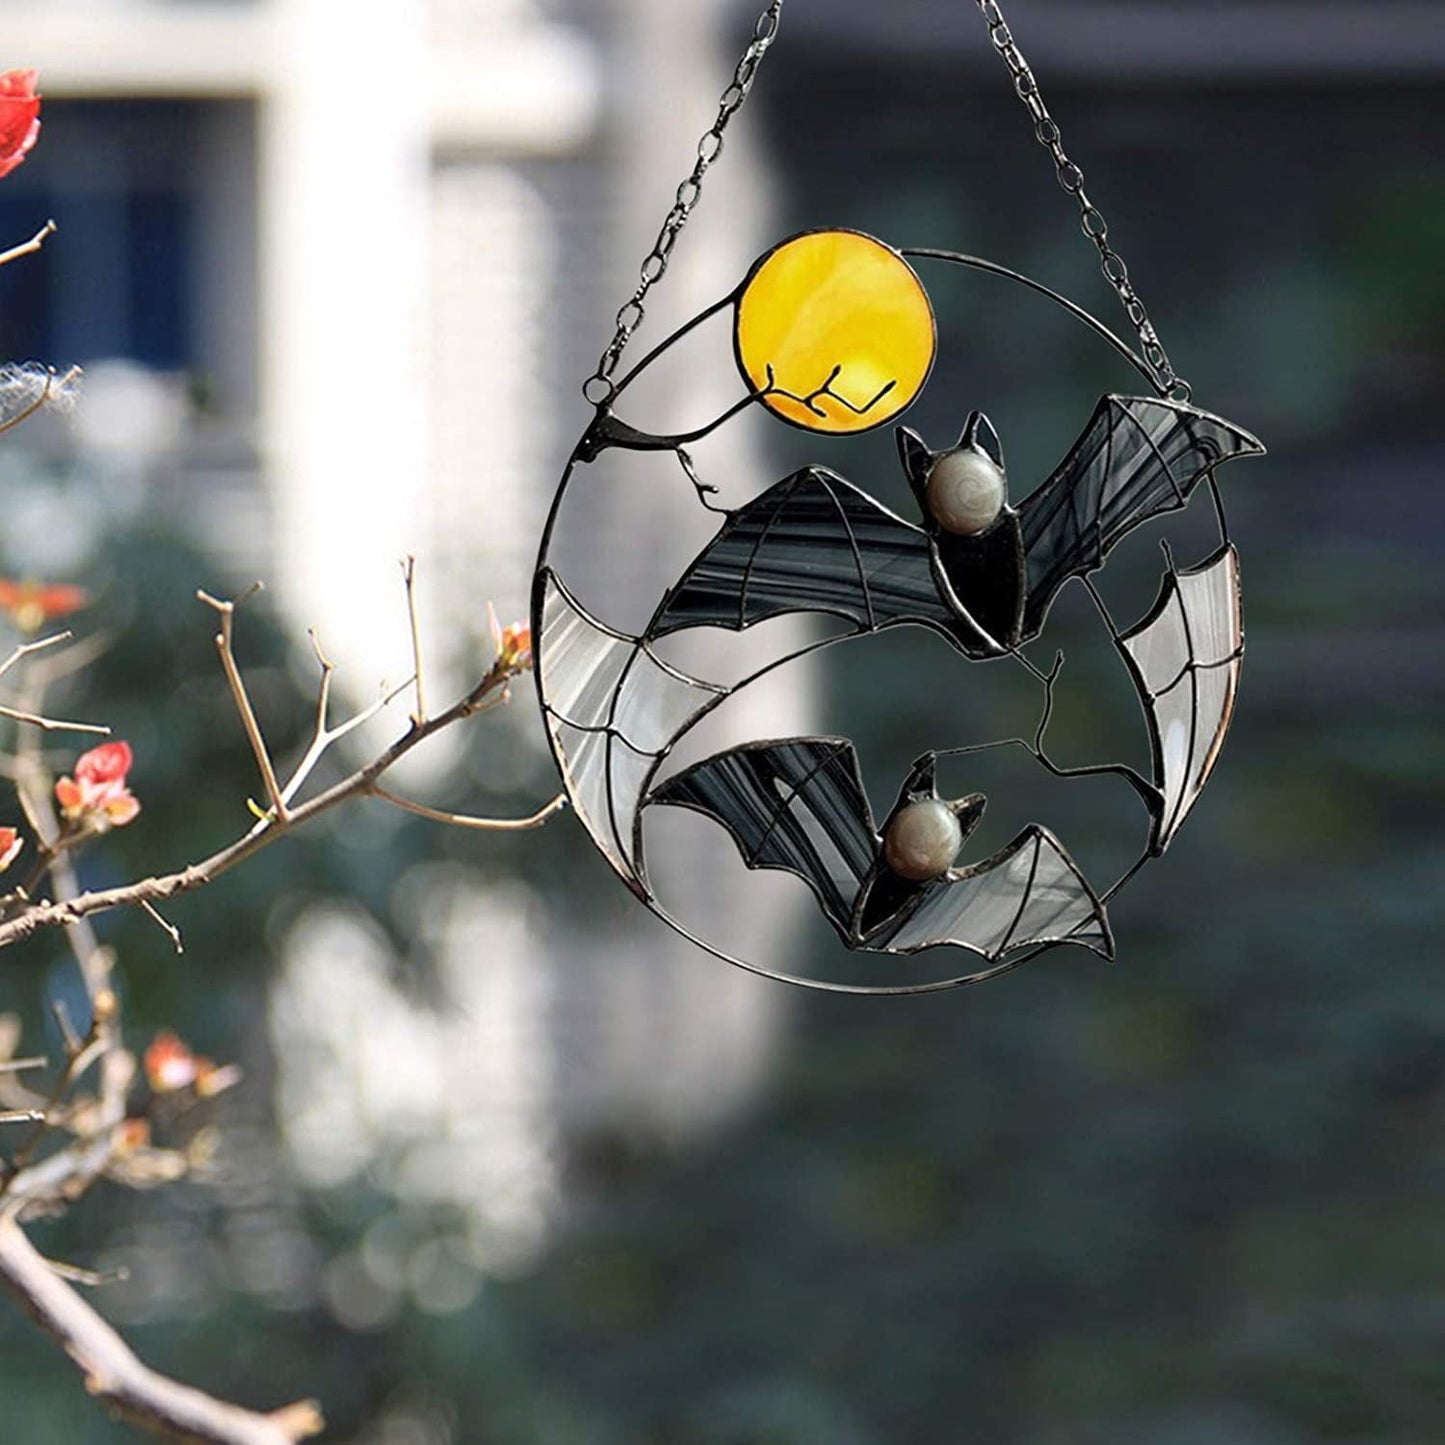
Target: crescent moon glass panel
(1187,655)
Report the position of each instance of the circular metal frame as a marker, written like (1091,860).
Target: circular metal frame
(600,435)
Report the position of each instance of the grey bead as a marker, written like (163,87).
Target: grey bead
(922,841)
(966,492)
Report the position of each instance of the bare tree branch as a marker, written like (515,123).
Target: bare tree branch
(462,820)
(90,1278)
(113,1373)
(323,735)
(242,698)
(28,649)
(103,1039)
(52,725)
(43,914)
(22,1066)
(408,572)
(165,926)
(30,247)
(97,1139)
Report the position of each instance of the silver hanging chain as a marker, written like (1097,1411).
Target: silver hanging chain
(1071,178)
(599,388)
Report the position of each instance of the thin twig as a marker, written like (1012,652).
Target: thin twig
(323,692)
(90,1278)
(165,925)
(75,1066)
(30,247)
(63,1176)
(58,913)
(46,856)
(53,725)
(26,649)
(482,825)
(73,1042)
(75,658)
(242,698)
(408,572)
(324,737)
(24,1066)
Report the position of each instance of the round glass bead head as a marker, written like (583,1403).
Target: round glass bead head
(922,841)
(966,492)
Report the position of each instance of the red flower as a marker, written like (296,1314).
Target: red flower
(32,604)
(19,117)
(10,845)
(97,794)
(171,1066)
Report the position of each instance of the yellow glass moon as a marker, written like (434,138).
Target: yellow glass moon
(835,332)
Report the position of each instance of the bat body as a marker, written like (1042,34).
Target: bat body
(816,543)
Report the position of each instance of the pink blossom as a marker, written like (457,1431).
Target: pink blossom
(97,794)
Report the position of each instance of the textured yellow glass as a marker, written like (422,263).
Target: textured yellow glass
(835,332)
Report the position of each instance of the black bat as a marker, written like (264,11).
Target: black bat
(799,805)
(816,543)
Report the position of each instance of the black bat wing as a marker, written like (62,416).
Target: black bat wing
(1137,458)
(1028,894)
(812,543)
(797,805)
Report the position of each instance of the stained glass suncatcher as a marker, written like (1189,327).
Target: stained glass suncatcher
(833,332)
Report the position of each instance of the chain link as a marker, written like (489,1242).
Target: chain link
(599,388)
(1092,221)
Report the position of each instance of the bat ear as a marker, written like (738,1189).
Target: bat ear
(969,811)
(922,778)
(980,433)
(916,458)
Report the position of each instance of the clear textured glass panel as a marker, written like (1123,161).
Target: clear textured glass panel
(655,703)
(604,780)
(581,661)
(1160,649)
(1032,893)
(1211,602)
(1187,652)
(595,678)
